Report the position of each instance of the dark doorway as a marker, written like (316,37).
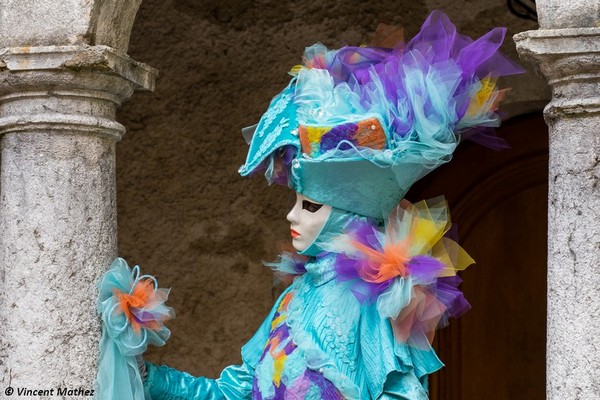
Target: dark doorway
(499,199)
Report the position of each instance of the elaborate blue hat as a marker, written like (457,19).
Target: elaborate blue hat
(356,127)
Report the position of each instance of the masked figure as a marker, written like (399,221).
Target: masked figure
(372,277)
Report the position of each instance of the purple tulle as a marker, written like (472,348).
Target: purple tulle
(348,271)
(438,41)
(487,138)
(287,266)
(278,165)
(437,44)
(438,49)
(451,296)
(351,61)
(365,231)
(424,269)
(348,268)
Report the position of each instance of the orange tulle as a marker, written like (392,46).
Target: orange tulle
(414,247)
(385,265)
(142,295)
(420,318)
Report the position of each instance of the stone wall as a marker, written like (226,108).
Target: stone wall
(184,213)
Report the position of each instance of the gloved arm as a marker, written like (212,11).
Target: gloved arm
(164,383)
(235,382)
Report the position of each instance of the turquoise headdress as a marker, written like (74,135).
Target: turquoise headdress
(356,127)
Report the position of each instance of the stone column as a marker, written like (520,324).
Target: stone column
(566,50)
(57,186)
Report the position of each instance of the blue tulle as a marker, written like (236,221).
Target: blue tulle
(118,373)
(425,97)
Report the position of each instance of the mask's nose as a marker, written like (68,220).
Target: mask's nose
(292,216)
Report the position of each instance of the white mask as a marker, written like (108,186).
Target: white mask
(307,219)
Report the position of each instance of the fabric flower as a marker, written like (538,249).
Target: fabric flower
(133,314)
(409,269)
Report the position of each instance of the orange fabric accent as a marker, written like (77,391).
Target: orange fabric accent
(387,265)
(366,136)
(286,301)
(143,291)
(499,97)
(273,347)
(423,313)
(304,142)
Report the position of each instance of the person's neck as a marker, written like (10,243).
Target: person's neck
(321,268)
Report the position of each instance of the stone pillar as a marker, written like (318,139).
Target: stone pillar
(566,50)
(57,186)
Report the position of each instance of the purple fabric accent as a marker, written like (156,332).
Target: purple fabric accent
(451,296)
(281,165)
(288,154)
(424,268)
(309,379)
(328,390)
(350,61)
(280,391)
(288,265)
(256,395)
(438,45)
(438,41)
(282,332)
(299,386)
(348,271)
(486,137)
(298,265)
(364,232)
(331,139)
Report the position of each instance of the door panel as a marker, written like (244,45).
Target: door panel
(496,351)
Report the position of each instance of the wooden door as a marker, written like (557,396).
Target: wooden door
(496,351)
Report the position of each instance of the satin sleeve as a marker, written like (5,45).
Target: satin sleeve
(393,370)
(405,386)
(164,383)
(235,382)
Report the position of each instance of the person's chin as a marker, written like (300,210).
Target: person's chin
(298,245)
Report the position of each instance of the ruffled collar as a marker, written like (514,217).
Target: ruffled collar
(321,268)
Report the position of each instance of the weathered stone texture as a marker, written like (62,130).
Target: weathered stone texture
(184,212)
(57,206)
(66,22)
(554,14)
(58,225)
(574,257)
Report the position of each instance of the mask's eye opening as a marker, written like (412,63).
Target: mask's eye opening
(310,206)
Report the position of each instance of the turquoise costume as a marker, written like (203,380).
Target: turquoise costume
(354,129)
(318,342)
